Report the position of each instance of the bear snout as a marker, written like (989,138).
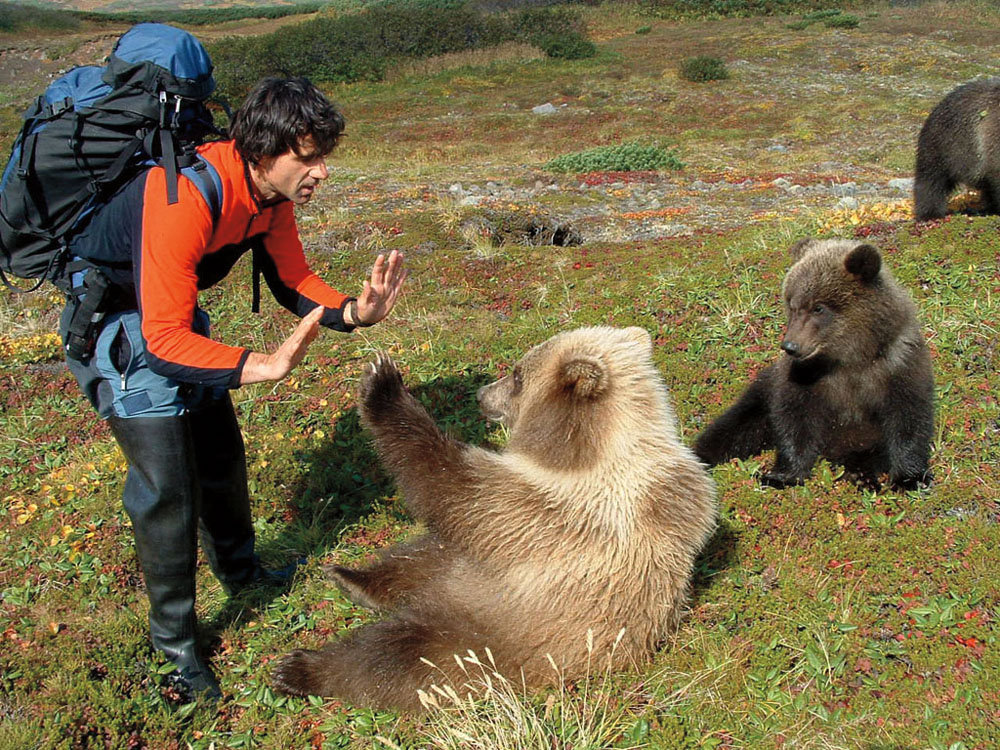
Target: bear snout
(483,399)
(791,348)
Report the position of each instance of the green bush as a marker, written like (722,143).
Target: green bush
(819,15)
(18,18)
(627,157)
(738,8)
(202,16)
(360,46)
(571,46)
(703,68)
(832,18)
(843,21)
(644,30)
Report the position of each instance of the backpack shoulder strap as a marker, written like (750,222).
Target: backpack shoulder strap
(206,178)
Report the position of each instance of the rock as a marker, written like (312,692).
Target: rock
(777,147)
(544,109)
(845,188)
(848,203)
(782,183)
(902,184)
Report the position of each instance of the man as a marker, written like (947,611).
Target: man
(162,383)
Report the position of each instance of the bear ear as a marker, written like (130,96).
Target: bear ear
(863,262)
(799,248)
(640,336)
(583,376)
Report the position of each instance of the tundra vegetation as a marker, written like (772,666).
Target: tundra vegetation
(823,616)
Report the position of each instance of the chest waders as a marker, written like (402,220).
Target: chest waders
(186,478)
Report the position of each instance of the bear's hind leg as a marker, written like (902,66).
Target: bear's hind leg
(931,188)
(990,190)
(382,664)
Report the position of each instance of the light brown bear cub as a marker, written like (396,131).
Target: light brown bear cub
(856,386)
(590,520)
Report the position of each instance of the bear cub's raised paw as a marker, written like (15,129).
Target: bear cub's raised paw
(381,383)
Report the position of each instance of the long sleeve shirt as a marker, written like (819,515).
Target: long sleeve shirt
(180,253)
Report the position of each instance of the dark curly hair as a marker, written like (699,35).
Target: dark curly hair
(278,113)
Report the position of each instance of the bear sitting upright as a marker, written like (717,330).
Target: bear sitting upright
(959,143)
(855,386)
(576,542)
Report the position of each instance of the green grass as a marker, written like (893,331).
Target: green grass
(823,616)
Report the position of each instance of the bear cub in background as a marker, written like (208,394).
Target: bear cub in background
(577,542)
(959,144)
(855,385)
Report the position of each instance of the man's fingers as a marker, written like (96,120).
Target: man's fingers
(307,329)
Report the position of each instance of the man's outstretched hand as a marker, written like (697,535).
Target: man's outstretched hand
(263,367)
(379,294)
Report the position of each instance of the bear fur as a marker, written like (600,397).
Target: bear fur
(587,525)
(855,386)
(959,144)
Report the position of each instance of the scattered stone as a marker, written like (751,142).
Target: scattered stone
(845,189)
(778,147)
(782,183)
(902,184)
(544,109)
(848,203)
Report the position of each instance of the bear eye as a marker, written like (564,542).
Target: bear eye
(819,309)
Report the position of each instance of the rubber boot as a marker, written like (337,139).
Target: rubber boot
(226,526)
(162,498)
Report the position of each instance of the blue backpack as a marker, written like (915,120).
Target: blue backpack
(94,130)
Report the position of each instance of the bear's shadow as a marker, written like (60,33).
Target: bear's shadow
(344,482)
(715,557)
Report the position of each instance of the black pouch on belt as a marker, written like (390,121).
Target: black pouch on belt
(88,311)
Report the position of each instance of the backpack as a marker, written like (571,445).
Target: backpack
(93,130)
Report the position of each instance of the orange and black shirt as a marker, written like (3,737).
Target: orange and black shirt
(176,250)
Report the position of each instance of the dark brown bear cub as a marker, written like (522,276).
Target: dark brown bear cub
(576,542)
(855,386)
(959,144)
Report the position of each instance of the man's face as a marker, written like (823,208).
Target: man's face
(293,175)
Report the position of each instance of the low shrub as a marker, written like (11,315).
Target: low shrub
(569,46)
(832,18)
(202,16)
(15,17)
(819,15)
(703,68)
(733,8)
(626,157)
(361,46)
(842,21)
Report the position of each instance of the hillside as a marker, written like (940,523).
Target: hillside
(823,616)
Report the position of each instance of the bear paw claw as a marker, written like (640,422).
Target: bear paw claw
(380,380)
